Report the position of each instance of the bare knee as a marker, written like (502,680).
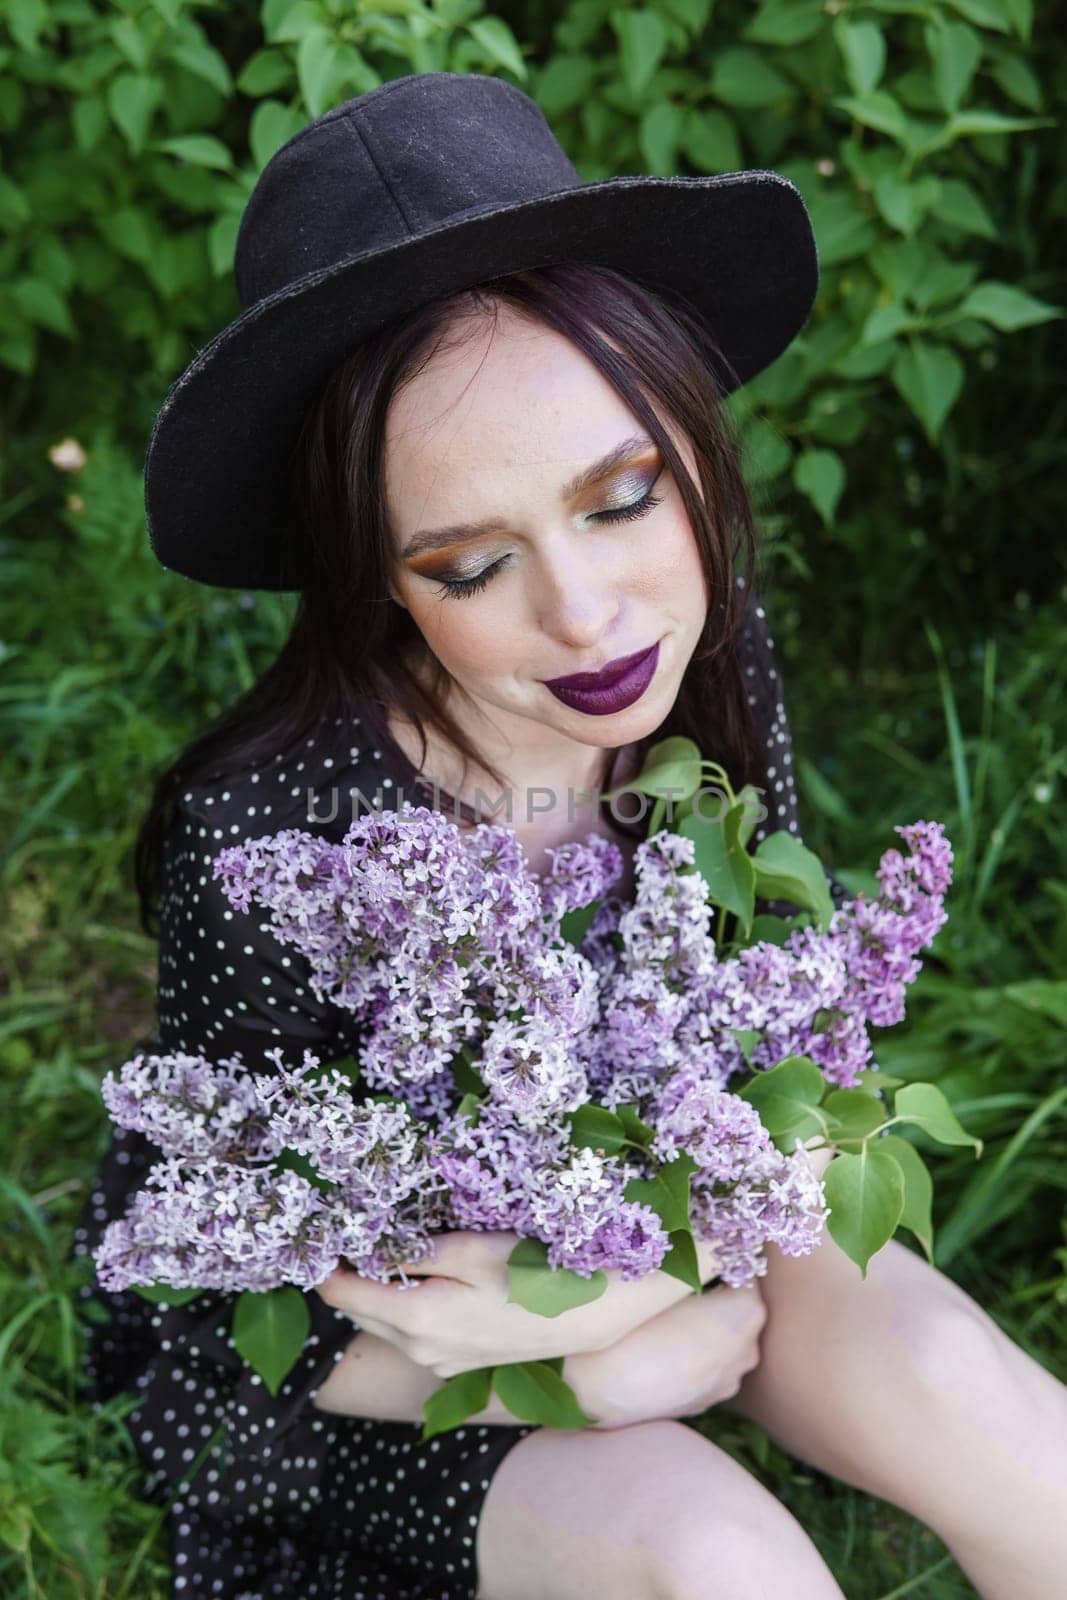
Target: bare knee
(712,1532)
(927,1335)
(948,1343)
(567,1517)
(687,1522)
(681,1527)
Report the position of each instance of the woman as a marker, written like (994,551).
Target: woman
(493,490)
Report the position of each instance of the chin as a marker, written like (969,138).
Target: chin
(627,726)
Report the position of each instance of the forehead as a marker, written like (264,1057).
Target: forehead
(514,394)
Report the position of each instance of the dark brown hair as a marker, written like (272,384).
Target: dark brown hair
(352,650)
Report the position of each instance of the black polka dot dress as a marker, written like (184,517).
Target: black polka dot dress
(271,1499)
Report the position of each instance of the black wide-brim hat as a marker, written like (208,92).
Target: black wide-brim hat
(428,184)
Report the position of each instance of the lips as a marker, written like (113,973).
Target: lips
(616,687)
(609,674)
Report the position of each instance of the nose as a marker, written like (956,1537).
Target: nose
(579,595)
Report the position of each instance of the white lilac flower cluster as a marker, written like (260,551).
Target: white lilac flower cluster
(448,948)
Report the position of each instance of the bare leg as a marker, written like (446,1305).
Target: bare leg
(652,1511)
(902,1386)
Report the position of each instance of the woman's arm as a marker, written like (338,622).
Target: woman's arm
(375,1379)
(455,1315)
(677,1364)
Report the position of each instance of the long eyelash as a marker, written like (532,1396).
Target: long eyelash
(461,587)
(639,508)
(465,586)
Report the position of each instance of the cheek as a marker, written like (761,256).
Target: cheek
(670,571)
(469,637)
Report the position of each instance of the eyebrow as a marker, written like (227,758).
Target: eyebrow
(462,532)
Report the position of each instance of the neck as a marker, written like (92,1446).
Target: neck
(545,775)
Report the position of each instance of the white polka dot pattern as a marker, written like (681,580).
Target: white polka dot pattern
(766,697)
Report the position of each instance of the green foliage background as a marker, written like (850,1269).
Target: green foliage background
(904,457)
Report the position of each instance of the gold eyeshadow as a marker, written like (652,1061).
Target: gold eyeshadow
(628,484)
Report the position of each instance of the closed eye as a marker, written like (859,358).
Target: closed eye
(461,587)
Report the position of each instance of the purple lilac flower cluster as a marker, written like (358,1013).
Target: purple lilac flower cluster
(422,930)
(225,1210)
(445,944)
(667,1001)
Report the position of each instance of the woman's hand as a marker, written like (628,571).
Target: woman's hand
(456,1315)
(676,1365)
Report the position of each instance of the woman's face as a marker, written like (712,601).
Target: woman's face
(560,579)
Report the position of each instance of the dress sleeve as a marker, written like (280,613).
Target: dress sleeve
(226,983)
(766,696)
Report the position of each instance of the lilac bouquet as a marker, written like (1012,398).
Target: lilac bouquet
(610,1081)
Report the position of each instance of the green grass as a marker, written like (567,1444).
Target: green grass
(109,663)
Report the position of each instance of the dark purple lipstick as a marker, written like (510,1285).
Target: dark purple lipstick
(616,686)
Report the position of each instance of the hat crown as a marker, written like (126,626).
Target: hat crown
(410,156)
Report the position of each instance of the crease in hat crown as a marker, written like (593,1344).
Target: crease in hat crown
(411,155)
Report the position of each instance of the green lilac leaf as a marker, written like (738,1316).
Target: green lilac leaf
(786,869)
(918,1191)
(667,1192)
(865,1194)
(853,1114)
(270,1330)
(637,1132)
(671,765)
(464,1395)
(723,862)
(787,1098)
(161,1294)
(534,1392)
(573,925)
(924,1104)
(594,1127)
(546,1290)
(681,1259)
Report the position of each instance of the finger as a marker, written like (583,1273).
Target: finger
(818,1153)
(466,1255)
(358,1297)
(819,1160)
(383,1331)
(709,1260)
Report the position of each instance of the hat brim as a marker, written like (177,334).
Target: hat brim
(738,247)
